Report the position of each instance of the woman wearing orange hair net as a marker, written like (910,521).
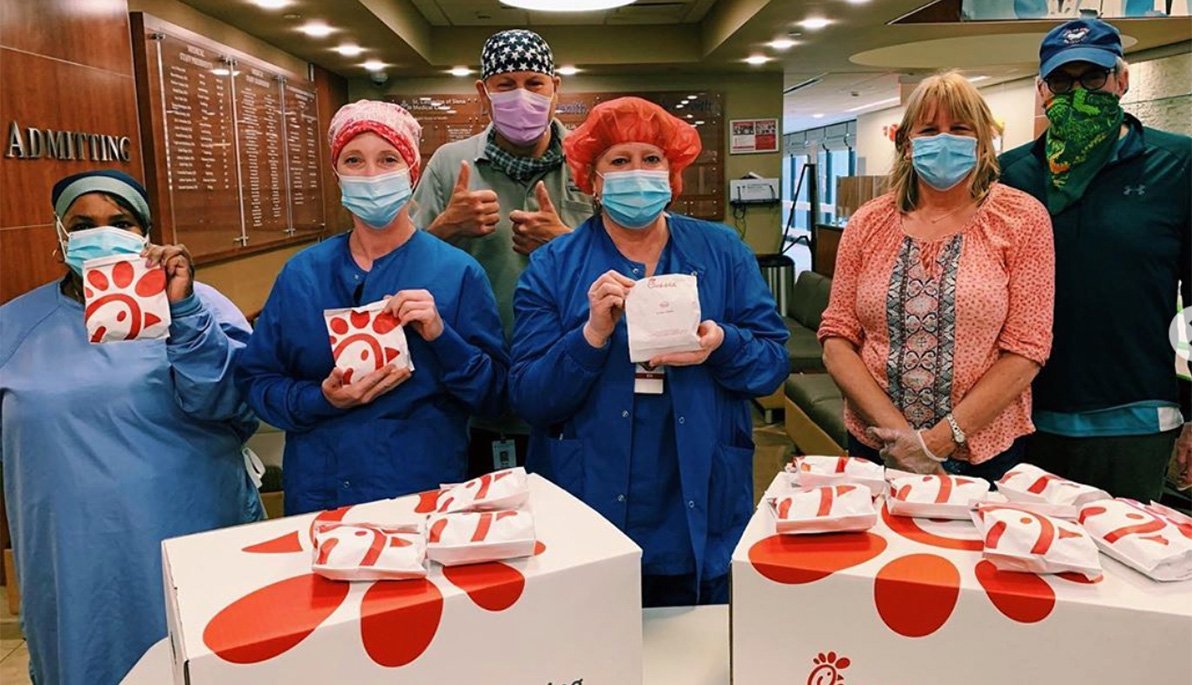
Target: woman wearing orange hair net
(673,470)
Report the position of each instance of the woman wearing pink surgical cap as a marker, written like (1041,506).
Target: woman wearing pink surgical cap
(356,437)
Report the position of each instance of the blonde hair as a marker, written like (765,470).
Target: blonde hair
(964,104)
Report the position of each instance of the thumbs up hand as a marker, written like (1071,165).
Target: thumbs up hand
(469,213)
(532,230)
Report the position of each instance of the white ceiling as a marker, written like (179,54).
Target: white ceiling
(862,51)
(495,13)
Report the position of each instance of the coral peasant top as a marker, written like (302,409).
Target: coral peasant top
(929,318)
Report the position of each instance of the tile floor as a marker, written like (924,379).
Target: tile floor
(773,450)
(14,657)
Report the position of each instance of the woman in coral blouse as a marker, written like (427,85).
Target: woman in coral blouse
(941,306)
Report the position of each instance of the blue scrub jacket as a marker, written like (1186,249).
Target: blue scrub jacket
(580,401)
(410,439)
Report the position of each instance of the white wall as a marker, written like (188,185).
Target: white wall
(1012,103)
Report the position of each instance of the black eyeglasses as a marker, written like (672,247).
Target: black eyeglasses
(1093,79)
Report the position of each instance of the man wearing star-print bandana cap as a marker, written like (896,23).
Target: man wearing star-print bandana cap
(1109,408)
(503,193)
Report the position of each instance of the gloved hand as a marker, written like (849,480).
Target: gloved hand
(903,448)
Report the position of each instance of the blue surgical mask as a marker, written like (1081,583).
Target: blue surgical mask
(944,160)
(93,243)
(376,200)
(635,198)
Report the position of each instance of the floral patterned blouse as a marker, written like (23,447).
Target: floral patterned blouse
(929,318)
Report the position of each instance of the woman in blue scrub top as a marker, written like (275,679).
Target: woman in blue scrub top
(674,470)
(109,449)
(390,432)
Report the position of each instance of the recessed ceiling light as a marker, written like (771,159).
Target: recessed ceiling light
(316,29)
(699,123)
(271,4)
(692,97)
(817,116)
(815,23)
(569,6)
(757,59)
(782,44)
(373,65)
(349,50)
(690,116)
(857,2)
(680,106)
(460,71)
(567,70)
(974,79)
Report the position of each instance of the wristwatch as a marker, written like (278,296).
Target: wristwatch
(957,434)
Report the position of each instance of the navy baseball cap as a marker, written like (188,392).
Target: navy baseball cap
(1082,40)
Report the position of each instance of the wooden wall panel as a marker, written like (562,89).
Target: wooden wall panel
(332,91)
(49,94)
(28,258)
(89,32)
(65,65)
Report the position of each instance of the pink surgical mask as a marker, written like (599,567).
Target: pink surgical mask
(519,115)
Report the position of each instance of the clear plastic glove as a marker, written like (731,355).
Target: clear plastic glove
(905,449)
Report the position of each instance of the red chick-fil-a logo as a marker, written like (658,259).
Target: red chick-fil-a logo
(827,669)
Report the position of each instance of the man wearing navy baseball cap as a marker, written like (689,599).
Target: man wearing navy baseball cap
(1108,408)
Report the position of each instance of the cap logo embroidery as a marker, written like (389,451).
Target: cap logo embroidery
(1075,36)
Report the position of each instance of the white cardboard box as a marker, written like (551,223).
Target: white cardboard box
(911,602)
(244,608)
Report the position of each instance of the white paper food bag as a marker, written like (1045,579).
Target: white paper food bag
(366,551)
(937,496)
(124,300)
(365,339)
(662,314)
(1030,485)
(476,537)
(499,490)
(1020,540)
(817,471)
(1155,540)
(830,509)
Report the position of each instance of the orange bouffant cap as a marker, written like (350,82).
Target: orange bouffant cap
(630,120)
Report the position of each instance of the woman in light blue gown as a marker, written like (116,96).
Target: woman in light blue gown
(108,449)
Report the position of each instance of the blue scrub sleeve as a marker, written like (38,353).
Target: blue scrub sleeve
(554,369)
(471,349)
(207,336)
(752,359)
(278,398)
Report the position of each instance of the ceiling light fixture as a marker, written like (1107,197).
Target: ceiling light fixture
(680,106)
(815,23)
(349,50)
(316,29)
(873,104)
(460,71)
(974,79)
(782,43)
(857,2)
(699,122)
(757,60)
(567,70)
(569,6)
(373,65)
(690,116)
(817,116)
(271,4)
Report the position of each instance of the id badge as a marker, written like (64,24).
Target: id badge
(504,454)
(647,381)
